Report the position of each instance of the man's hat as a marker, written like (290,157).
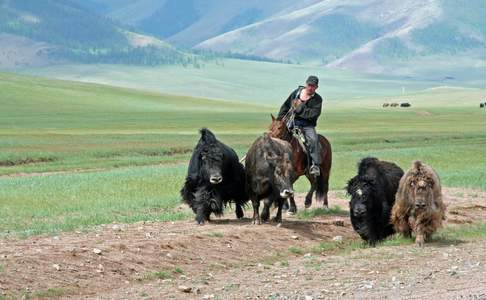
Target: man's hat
(312,80)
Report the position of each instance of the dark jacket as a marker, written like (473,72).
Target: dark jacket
(307,113)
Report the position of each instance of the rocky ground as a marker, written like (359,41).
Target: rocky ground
(232,259)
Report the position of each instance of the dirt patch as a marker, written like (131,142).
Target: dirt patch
(25,161)
(233,259)
(423,113)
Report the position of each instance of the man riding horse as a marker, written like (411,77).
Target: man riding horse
(301,110)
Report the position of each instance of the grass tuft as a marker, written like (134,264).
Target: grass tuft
(316,212)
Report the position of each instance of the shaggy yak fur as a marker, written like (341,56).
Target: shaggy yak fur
(215,177)
(419,207)
(372,194)
(269,175)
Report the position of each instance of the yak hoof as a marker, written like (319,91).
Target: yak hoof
(279,224)
(200,223)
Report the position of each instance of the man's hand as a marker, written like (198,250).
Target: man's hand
(295,103)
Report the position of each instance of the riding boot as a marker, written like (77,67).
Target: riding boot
(314,149)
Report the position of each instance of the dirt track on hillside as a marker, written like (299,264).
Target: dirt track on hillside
(232,259)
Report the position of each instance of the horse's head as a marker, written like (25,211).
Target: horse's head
(278,129)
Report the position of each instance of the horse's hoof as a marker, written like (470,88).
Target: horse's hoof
(290,213)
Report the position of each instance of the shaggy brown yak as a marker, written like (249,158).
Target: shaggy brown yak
(418,206)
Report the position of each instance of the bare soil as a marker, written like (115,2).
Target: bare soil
(232,259)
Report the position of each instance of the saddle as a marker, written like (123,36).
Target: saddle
(300,137)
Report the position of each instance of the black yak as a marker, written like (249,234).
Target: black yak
(214,178)
(372,194)
(269,176)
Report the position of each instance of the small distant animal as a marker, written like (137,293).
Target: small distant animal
(215,177)
(386,104)
(419,207)
(394,105)
(482,105)
(405,104)
(269,175)
(372,194)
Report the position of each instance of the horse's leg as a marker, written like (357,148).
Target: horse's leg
(310,193)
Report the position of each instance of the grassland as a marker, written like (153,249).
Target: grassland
(247,81)
(136,146)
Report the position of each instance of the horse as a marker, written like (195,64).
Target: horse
(319,184)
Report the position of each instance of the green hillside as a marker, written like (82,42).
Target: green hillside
(74,33)
(254,82)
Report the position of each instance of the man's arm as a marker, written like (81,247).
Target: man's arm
(309,112)
(284,109)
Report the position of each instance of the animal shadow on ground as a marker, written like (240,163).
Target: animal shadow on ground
(308,229)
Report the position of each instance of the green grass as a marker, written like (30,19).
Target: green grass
(316,212)
(215,234)
(450,234)
(136,146)
(296,250)
(50,293)
(163,275)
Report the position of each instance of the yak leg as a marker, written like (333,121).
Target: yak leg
(286,205)
(201,215)
(420,239)
(239,211)
(256,208)
(293,207)
(419,235)
(278,217)
(266,210)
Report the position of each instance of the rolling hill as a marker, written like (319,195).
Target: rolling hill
(35,33)
(400,37)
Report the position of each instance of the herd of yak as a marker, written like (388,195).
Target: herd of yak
(384,199)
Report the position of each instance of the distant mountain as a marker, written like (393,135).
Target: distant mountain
(362,35)
(375,36)
(34,33)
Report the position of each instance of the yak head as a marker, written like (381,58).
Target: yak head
(205,202)
(361,190)
(277,154)
(211,158)
(421,188)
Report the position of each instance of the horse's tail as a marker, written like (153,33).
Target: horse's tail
(322,181)
(322,187)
